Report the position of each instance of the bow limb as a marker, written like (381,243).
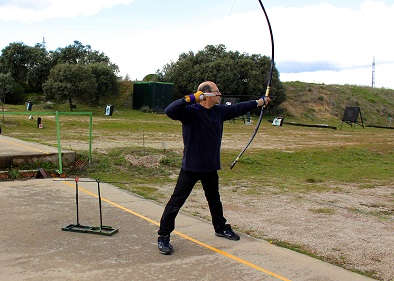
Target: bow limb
(267,92)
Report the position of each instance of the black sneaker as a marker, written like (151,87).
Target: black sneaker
(228,233)
(165,247)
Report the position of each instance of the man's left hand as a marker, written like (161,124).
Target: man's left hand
(263,101)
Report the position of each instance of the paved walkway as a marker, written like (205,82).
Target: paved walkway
(14,152)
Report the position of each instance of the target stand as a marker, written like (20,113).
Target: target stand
(100,230)
(350,117)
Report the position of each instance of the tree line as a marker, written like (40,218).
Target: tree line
(77,72)
(73,72)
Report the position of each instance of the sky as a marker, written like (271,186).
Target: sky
(327,41)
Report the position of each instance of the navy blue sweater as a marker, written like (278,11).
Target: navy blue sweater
(202,131)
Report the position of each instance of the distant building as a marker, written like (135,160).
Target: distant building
(153,95)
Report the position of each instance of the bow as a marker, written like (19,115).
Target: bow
(267,92)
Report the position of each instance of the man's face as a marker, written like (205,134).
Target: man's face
(218,95)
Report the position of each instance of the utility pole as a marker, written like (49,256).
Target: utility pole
(373,72)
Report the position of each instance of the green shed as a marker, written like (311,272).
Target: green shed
(154,95)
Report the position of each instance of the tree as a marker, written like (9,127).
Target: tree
(10,91)
(80,54)
(28,66)
(15,59)
(71,81)
(151,78)
(238,75)
(127,77)
(40,69)
(106,80)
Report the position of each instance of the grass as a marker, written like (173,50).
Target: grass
(114,166)
(326,211)
(307,170)
(307,166)
(301,171)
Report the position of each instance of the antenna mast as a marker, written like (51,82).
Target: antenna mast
(373,72)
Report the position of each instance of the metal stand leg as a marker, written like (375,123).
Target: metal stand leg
(101,230)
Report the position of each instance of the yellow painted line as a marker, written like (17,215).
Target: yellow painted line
(223,253)
(230,256)
(30,148)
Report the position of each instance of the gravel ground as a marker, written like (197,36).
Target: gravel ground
(339,227)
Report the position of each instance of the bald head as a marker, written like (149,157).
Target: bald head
(210,87)
(206,87)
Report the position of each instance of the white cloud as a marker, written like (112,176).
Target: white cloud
(326,33)
(339,42)
(354,76)
(33,11)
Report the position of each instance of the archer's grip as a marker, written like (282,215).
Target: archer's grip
(196,97)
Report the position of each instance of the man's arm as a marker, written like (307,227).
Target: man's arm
(176,110)
(242,108)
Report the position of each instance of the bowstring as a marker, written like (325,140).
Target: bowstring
(267,90)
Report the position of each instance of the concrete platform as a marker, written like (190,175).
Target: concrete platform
(33,245)
(15,152)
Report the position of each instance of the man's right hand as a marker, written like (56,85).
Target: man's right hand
(196,97)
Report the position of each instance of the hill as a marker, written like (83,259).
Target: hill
(309,102)
(320,102)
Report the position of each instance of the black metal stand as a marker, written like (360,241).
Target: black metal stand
(350,117)
(100,230)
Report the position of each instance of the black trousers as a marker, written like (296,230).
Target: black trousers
(183,188)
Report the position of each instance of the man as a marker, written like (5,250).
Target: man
(202,119)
